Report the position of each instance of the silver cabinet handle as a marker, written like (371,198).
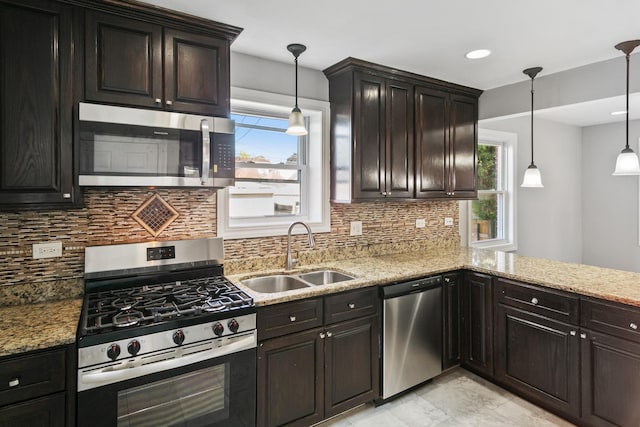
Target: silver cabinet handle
(158,101)
(534,300)
(352,305)
(446,279)
(572,333)
(322,335)
(14,382)
(329,334)
(633,326)
(583,336)
(169,102)
(292,318)
(206,151)
(384,193)
(66,195)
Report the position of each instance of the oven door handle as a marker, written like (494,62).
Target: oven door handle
(124,371)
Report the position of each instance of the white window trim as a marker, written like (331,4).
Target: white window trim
(509,242)
(318,216)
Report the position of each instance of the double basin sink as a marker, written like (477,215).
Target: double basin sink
(288,282)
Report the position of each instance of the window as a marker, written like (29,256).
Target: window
(279,178)
(490,220)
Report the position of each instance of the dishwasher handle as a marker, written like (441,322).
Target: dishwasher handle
(411,287)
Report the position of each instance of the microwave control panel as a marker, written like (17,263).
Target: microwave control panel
(223,162)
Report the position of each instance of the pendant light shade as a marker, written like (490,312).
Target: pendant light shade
(627,161)
(532,177)
(296,119)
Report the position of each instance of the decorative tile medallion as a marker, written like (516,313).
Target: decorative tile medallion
(155,215)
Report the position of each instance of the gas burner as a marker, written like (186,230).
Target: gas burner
(128,318)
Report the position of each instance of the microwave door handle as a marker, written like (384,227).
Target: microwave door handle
(206,151)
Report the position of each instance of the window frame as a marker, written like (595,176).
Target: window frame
(316,113)
(508,242)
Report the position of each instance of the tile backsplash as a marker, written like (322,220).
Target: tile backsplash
(106,219)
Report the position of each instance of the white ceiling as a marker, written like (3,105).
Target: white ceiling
(430,37)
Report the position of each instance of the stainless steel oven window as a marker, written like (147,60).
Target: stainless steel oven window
(197,398)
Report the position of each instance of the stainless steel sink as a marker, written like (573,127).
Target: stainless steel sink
(325,277)
(275,283)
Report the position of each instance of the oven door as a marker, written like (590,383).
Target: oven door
(214,392)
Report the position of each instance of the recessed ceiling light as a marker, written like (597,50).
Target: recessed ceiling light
(618,113)
(478,54)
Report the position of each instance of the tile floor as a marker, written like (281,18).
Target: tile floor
(456,398)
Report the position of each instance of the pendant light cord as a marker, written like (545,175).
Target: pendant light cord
(532,121)
(296,60)
(627,56)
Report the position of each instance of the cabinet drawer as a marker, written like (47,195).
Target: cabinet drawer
(535,299)
(349,305)
(26,377)
(611,318)
(282,319)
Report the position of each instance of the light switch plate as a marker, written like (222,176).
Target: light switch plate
(47,250)
(448,221)
(356,228)
(421,223)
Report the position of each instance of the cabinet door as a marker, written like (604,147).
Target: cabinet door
(399,145)
(432,143)
(36,101)
(477,341)
(196,73)
(451,321)
(351,364)
(123,61)
(290,381)
(538,357)
(610,380)
(46,411)
(369,137)
(463,146)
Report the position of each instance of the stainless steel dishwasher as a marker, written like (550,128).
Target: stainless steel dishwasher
(412,334)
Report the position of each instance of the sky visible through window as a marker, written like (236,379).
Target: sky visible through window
(272,144)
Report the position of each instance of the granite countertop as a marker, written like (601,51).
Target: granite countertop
(605,283)
(37,326)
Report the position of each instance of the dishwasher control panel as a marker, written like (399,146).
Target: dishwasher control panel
(412,286)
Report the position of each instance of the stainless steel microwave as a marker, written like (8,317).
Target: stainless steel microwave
(132,147)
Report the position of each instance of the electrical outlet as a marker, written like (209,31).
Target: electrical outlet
(47,250)
(420,223)
(448,221)
(356,228)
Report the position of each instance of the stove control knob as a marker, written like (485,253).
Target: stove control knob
(178,337)
(134,347)
(218,329)
(233,325)
(113,351)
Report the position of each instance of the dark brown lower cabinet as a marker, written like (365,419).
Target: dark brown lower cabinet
(610,380)
(48,411)
(452,320)
(290,379)
(305,376)
(351,364)
(477,326)
(538,357)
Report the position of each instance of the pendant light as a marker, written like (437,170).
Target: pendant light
(296,119)
(532,176)
(627,161)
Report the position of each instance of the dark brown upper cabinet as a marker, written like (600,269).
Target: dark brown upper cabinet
(146,64)
(36,105)
(446,144)
(398,135)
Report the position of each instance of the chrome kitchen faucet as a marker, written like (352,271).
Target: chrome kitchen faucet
(291,261)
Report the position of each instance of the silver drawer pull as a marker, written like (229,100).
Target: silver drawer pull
(322,335)
(292,318)
(583,336)
(329,334)
(169,102)
(352,305)
(633,326)
(66,195)
(158,101)
(572,333)
(14,382)
(534,300)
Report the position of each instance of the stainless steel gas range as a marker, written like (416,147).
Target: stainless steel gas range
(164,338)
